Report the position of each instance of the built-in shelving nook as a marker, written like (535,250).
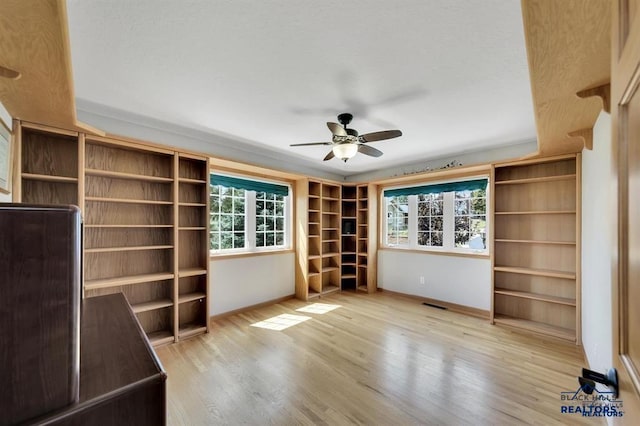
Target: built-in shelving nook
(536,260)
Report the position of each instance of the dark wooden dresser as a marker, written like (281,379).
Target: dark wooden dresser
(121,380)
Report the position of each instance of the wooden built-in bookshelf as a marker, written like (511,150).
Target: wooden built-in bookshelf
(536,259)
(145,212)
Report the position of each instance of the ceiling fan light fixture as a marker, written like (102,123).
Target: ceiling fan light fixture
(344,151)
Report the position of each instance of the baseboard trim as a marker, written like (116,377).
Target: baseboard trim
(251,307)
(453,307)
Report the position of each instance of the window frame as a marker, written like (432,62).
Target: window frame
(250,221)
(448,246)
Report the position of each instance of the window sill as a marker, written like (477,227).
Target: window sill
(438,252)
(226,256)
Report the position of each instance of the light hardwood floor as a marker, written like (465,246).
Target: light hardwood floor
(378,359)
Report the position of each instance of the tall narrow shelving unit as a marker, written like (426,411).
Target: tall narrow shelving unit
(362,244)
(349,238)
(537,247)
(192,236)
(318,266)
(314,240)
(330,230)
(129,241)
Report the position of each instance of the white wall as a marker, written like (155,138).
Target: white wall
(461,280)
(597,237)
(244,281)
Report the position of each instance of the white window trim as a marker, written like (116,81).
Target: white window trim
(448,226)
(250,225)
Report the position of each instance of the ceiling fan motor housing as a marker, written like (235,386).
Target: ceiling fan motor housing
(345,118)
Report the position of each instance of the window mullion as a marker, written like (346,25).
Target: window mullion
(250,220)
(448,223)
(413,221)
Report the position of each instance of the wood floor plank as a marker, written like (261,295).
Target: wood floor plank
(377,359)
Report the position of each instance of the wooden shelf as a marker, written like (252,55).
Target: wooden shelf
(538,327)
(535,296)
(313,256)
(538,212)
(128,280)
(330,254)
(49,178)
(158,338)
(128,248)
(349,252)
(313,211)
(192,228)
(331,198)
(191,272)
(536,272)
(332,240)
(349,264)
(190,297)
(192,204)
(191,329)
(348,275)
(122,175)
(152,305)
(329,269)
(330,289)
(314,223)
(313,274)
(127,226)
(127,201)
(504,240)
(193,181)
(363,288)
(329,213)
(313,196)
(313,293)
(330,229)
(536,179)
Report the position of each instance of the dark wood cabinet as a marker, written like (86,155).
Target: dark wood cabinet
(121,380)
(40,257)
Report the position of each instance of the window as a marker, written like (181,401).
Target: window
(430,219)
(227,222)
(248,215)
(449,216)
(270,219)
(398,220)
(470,219)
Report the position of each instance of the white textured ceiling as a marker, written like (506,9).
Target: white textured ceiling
(451,74)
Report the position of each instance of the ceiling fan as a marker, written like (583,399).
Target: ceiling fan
(346,142)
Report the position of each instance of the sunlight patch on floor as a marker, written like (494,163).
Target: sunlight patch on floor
(281,322)
(318,308)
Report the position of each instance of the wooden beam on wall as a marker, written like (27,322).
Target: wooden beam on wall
(36,79)
(568,48)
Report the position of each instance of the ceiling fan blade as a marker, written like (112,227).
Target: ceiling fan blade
(380,136)
(311,143)
(329,156)
(369,150)
(336,129)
